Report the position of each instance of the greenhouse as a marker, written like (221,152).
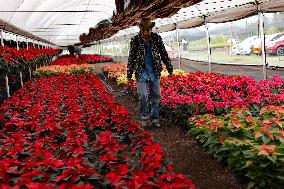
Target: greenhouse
(134,94)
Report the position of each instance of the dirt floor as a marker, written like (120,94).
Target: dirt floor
(187,155)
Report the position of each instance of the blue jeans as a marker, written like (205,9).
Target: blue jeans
(155,96)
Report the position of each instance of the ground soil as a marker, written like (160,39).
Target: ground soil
(187,155)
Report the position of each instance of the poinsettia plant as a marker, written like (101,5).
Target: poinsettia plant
(13,60)
(185,95)
(115,70)
(95,58)
(253,146)
(57,70)
(242,125)
(66,60)
(67,131)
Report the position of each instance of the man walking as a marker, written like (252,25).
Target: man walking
(146,52)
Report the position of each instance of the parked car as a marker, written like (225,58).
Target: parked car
(276,47)
(245,47)
(268,38)
(170,51)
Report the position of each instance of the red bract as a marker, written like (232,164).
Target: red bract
(66,60)
(59,131)
(13,61)
(116,175)
(23,53)
(216,92)
(95,58)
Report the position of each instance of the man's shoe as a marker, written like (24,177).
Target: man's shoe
(144,122)
(155,123)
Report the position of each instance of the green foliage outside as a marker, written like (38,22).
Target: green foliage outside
(216,42)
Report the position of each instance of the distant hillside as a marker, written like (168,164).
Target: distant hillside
(242,28)
(186,34)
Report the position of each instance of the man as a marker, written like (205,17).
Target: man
(77,49)
(146,52)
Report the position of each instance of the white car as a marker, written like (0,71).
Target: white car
(245,47)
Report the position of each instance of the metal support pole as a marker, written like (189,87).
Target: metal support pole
(121,51)
(21,77)
(208,46)
(112,50)
(231,41)
(262,35)
(30,72)
(7,86)
(117,53)
(128,47)
(17,41)
(27,43)
(2,38)
(179,55)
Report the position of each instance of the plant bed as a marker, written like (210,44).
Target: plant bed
(67,132)
(184,96)
(185,152)
(58,69)
(253,146)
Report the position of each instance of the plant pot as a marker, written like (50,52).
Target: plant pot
(12,77)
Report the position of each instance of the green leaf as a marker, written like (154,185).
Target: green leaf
(251,185)
(264,164)
(272,158)
(67,178)
(53,177)
(93,177)
(262,183)
(101,164)
(119,183)
(221,156)
(280,177)
(227,147)
(258,135)
(249,135)
(236,153)
(37,178)
(248,154)
(265,139)
(281,159)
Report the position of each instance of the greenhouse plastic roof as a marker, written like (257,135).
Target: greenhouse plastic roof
(58,21)
(210,11)
(62,21)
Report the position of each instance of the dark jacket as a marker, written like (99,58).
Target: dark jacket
(137,56)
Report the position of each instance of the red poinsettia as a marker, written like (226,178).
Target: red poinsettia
(67,131)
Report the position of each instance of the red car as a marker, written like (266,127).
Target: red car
(276,47)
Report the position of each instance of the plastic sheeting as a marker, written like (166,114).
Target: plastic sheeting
(58,21)
(211,11)
(62,21)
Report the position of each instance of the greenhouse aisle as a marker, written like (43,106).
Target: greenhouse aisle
(187,155)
